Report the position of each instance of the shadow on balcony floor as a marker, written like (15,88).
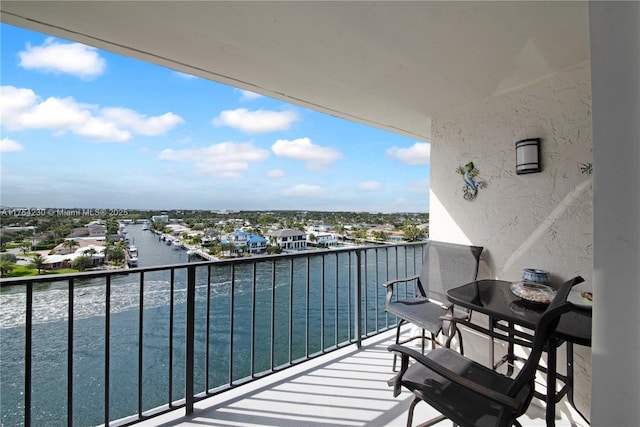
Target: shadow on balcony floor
(345,388)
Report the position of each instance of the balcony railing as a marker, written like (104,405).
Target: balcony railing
(116,347)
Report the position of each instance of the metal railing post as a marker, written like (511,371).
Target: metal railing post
(189,339)
(28,343)
(70,358)
(358,305)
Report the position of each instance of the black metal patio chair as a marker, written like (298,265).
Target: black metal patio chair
(470,394)
(445,266)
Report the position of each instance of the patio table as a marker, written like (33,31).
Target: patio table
(508,315)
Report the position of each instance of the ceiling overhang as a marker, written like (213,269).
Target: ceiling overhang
(392,65)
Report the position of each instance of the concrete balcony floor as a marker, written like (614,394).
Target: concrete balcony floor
(344,388)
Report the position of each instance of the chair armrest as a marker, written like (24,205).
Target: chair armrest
(405,279)
(390,284)
(449,320)
(441,370)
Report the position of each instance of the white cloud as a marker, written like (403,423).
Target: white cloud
(102,130)
(141,124)
(247,95)
(23,109)
(70,58)
(420,186)
(226,160)
(418,154)
(304,190)
(9,145)
(369,186)
(56,114)
(316,157)
(13,100)
(276,173)
(256,121)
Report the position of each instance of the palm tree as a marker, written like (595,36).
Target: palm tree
(70,244)
(91,252)
(6,267)
(25,245)
(81,262)
(38,263)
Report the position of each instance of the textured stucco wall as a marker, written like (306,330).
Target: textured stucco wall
(542,220)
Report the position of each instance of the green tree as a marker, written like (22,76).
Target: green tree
(227,247)
(38,263)
(266,220)
(70,244)
(6,238)
(81,263)
(90,253)
(8,257)
(381,236)
(6,267)
(115,251)
(411,232)
(274,249)
(158,225)
(25,246)
(360,234)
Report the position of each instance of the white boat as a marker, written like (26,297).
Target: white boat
(177,244)
(145,226)
(192,252)
(132,261)
(133,251)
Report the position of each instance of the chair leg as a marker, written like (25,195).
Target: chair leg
(414,402)
(395,356)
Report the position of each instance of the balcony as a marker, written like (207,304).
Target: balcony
(274,340)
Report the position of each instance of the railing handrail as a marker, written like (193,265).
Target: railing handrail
(46,278)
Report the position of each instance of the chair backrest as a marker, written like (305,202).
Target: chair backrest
(446,266)
(545,328)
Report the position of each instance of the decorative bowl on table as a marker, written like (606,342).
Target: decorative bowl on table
(533,292)
(535,275)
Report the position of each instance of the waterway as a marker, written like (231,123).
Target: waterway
(319,311)
(156,251)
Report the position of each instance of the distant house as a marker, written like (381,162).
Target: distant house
(323,238)
(257,244)
(80,244)
(239,238)
(160,218)
(249,242)
(11,229)
(288,239)
(93,251)
(91,231)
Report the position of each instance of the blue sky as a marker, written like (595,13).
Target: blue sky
(87,128)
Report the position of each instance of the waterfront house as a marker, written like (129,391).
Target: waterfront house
(239,238)
(470,78)
(92,230)
(160,218)
(62,257)
(256,245)
(288,239)
(247,242)
(322,238)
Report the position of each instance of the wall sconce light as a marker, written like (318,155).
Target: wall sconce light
(528,156)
